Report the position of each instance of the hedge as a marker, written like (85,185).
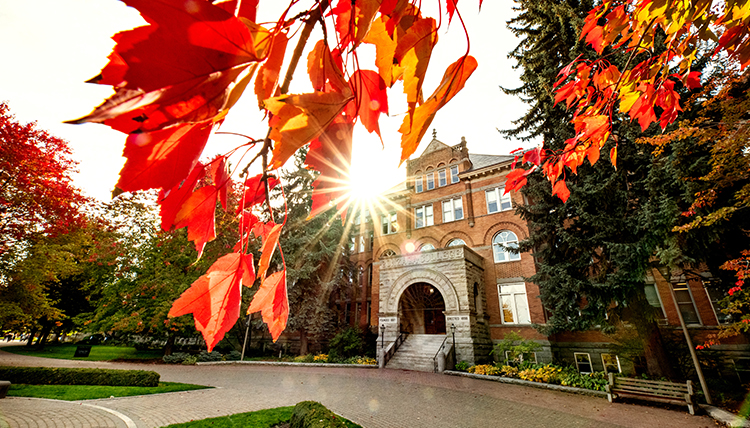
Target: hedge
(310,414)
(73,376)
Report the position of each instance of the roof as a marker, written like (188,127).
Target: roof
(482,161)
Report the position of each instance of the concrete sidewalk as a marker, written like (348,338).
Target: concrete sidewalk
(372,398)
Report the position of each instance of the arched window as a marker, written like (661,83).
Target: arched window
(427,247)
(456,242)
(387,253)
(501,244)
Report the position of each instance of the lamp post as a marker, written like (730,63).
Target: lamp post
(453,333)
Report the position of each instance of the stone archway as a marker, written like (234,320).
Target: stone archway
(421,310)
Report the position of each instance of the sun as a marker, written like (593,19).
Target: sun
(364,186)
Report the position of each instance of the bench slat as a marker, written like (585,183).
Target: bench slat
(651,387)
(649,382)
(651,398)
(649,392)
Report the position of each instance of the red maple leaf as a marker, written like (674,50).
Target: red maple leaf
(197,213)
(370,99)
(255,191)
(271,300)
(214,298)
(171,200)
(561,190)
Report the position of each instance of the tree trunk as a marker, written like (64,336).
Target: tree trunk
(170,344)
(46,329)
(657,360)
(303,348)
(32,333)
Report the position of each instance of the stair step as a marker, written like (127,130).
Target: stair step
(417,352)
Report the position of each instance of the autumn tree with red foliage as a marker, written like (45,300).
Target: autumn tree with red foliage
(37,197)
(176,78)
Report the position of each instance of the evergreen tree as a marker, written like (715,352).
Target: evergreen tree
(593,251)
(316,261)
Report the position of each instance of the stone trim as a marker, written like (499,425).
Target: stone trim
(429,276)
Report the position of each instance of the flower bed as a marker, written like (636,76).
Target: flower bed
(542,373)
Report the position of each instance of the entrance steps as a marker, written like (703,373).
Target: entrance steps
(417,352)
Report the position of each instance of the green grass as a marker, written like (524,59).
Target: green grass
(98,352)
(90,392)
(260,419)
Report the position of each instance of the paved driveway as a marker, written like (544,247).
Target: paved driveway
(373,398)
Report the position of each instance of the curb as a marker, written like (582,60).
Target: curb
(571,389)
(722,416)
(285,363)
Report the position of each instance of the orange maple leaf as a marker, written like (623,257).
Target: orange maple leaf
(214,298)
(415,125)
(272,302)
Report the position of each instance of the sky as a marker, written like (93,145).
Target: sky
(51,47)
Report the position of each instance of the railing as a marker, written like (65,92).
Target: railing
(434,359)
(393,347)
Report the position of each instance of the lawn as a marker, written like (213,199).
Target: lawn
(90,392)
(261,419)
(98,352)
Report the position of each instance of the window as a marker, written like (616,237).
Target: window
(442,179)
(611,363)
(652,296)
(418,185)
(453,210)
(456,242)
(423,216)
(371,240)
(358,218)
(387,253)
(514,305)
(583,362)
(454,174)
(501,244)
(368,218)
(352,244)
(430,180)
(685,301)
(427,247)
(389,223)
(520,357)
(716,295)
(497,201)
(362,244)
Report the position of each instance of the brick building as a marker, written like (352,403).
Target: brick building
(432,261)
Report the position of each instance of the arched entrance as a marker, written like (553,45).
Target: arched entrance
(421,310)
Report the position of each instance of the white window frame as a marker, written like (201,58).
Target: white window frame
(454,174)
(692,300)
(430,180)
(452,205)
(497,248)
(442,178)
(513,295)
(502,200)
(617,360)
(362,243)
(418,187)
(387,222)
(424,214)
(520,357)
(588,357)
(353,245)
(714,300)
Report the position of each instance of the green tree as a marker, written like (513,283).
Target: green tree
(314,249)
(593,251)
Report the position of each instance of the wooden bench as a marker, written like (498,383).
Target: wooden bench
(653,390)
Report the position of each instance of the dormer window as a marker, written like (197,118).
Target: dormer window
(442,178)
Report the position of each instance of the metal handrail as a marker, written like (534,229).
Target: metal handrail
(393,347)
(434,359)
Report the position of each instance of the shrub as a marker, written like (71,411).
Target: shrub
(175,358)
(509,371)
(361,360)
(516,347)
(310,414)
(233,356)
(546,374)
(190,360)
(484,369)
(212,356)
(75,376)
(320,358)
(345,345)
(462,366)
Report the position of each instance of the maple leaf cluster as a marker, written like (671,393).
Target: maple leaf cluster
(176,78)
(663,38)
